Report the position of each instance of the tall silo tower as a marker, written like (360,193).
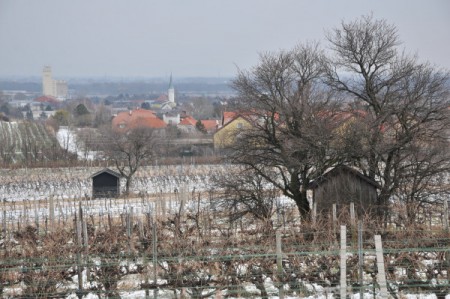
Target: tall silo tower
(47,81)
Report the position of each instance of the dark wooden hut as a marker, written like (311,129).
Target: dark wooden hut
(341,186)
(105,183)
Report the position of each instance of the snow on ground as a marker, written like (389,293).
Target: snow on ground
(68,140)
(33,188)
(172,183)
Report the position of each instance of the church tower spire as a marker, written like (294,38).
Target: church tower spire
(170,82)
(171,91)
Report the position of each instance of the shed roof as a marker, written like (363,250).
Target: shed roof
(342,168)
(107,170)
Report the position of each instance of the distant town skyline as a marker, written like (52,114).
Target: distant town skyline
(196,38)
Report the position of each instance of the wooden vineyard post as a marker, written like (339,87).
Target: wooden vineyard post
(343,263)
(170,203)
(36,217)
(314,213)
(381,276)
(129,228)
(183,202)
(61,214)
(141,229)
(334,217)
(79,222)
(52,213)
(447,259)
(24,216)
(155,261)
(19,221)
(4,224)
(163,207)
(94,227)
(145,257)
(446,214)
(109,220)
(79,291)
(430,220)
(86,247)
(352,214)
(279,265)
(155,209)
(360,258)
(78,228)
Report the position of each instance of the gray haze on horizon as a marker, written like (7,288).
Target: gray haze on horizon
(195,38)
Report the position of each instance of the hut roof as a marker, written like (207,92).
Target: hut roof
(339,169)
(107,170)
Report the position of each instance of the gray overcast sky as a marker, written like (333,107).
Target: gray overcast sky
(192,37)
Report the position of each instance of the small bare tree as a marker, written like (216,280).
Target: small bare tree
(130,150)
(244,192)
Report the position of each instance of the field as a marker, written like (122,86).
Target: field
(173,238)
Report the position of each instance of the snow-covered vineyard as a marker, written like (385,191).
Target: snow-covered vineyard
(25,141)
(26,194)
(171,240)
(38,184)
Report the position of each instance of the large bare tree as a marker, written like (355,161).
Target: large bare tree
(404,103)
(130,150)
(291,112)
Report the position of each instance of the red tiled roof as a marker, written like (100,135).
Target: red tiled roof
(47,99)
(210,124)
(188,121)
(162,98)
(228,116)
(155,123)
(238,115)
(137,118)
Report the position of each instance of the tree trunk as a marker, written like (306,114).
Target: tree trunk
(382,206)
(301,200)
(299,195)
(127,185)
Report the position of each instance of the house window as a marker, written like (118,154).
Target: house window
(122,126)
(239,125)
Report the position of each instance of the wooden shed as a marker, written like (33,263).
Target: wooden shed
(342,185)
(105,183)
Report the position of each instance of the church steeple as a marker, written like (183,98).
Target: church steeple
(170,82)
(171,91)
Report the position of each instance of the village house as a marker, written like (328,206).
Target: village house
(187,125)
(227,116)
(232,124)
(211,125)
(171,118)
(137,118)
